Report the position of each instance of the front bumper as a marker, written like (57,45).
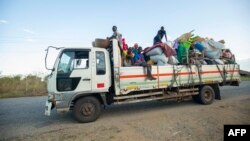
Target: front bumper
(57,101)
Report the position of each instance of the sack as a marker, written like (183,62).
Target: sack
(199,47)
(213,54)
(218,61)
(160,63)
(215,44)
(213,49)
(155,51)
(172,60)
(161,58)
(170,44)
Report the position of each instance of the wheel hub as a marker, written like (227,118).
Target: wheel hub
(88,109)
(207,95)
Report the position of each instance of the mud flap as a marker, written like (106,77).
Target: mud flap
(217,92)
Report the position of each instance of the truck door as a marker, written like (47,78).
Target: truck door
(74,71)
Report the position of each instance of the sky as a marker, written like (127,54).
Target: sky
(28,27)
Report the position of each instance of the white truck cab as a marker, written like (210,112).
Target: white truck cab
(77,72)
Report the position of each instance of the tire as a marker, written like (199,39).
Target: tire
(87,109)
(217,92)
(206,95)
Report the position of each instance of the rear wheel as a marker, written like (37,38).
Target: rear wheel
(206,95)
(87,109)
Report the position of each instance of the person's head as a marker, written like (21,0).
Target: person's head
(139,49)
(114,28)
(162,27)
(136,46)
(129,50)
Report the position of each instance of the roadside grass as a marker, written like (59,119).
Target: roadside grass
(19,86)
(32,85)
(245,78)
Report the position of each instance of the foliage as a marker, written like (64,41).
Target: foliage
(18,86)
(245,78)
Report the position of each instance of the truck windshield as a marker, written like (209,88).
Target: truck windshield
(71,60)
(65,64)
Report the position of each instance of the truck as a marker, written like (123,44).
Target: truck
(86,80)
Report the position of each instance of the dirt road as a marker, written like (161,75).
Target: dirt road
(23,119)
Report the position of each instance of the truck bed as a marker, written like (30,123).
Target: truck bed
(130,79)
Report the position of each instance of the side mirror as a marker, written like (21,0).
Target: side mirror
(47,51)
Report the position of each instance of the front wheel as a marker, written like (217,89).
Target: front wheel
(206,95)
(87,109)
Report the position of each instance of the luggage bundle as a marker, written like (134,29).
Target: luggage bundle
(197,50)
(161,54)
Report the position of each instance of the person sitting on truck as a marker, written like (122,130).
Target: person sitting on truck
(159,36)
(124,45)
(135,51)
(141,62)
(128,58)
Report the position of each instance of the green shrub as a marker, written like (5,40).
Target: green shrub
(18,86)
(245,78)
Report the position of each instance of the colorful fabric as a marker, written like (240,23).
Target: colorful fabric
(140,60)
(150,62)
(199,46)
(124,45)
(128,58)
(182,53)
(136,54)
(176,44)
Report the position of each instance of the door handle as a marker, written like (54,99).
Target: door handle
(86,79)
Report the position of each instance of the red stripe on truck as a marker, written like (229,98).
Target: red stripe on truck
(170,74)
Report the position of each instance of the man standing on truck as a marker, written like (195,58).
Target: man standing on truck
(116,35)
(159,36)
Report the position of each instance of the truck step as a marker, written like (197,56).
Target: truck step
(188,90)
(138,95)
(155,98)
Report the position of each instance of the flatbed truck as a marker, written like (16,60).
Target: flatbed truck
(87,79)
